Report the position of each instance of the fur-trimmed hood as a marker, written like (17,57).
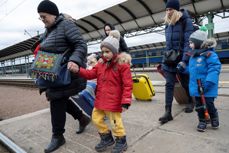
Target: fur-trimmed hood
(209,43)
(124,58)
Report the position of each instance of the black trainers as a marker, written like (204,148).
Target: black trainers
(215,123)
(201,127)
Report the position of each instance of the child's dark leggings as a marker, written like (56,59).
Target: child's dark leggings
(210,106)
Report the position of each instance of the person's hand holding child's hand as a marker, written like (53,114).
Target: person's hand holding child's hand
(73,67)
(125,107)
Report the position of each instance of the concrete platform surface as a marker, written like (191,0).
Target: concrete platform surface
(32,132)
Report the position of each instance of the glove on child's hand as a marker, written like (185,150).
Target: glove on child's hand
(125,107)
(207,85)
(181,66)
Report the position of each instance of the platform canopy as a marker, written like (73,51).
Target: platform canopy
(217,36)
(135,15)
(128,17)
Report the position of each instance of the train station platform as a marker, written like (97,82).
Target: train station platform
(32,132)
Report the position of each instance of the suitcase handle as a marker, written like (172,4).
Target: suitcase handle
(133,66)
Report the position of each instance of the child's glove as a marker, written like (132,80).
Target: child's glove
(181,66)
(125,107)
(207,85)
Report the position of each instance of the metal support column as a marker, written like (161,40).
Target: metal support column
(210,25)
(147,59)
(26,65)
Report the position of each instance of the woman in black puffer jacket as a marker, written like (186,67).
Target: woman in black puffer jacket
(62,34)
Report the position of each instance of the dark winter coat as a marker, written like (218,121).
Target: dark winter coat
(61,36)
(177,38)
(205,65)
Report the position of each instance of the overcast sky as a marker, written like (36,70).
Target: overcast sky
(18,16)
(19,20)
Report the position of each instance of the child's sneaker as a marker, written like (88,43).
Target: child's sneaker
(215,123)
(201,126)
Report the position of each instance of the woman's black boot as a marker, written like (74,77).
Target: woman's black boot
(167,116)
(56,142)
(83,122)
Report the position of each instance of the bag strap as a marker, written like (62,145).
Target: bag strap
(181,33)
(66,51)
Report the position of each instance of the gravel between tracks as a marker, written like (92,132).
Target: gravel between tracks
(16,101)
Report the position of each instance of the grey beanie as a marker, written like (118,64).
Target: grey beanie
(198,37)
(49,7)
(112,41)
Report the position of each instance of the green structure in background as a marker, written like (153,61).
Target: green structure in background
(210,25)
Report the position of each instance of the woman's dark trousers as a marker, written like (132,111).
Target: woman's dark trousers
(169,92)
(58,110)
(169,89)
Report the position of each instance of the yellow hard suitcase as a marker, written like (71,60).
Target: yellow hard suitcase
(142,87)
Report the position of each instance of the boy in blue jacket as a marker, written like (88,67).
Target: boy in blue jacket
(204,64)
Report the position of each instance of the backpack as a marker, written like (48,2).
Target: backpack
(195,26)
(183,23)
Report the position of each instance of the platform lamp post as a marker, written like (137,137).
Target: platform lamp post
(210,25)
(27,57)
(27,33)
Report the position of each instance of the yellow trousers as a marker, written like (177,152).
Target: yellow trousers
(115,118)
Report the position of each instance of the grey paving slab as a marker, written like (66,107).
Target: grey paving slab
(162,141)
(144,133)
(180,135)
(186,124)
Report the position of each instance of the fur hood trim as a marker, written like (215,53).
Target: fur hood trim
(209,43)
(124,58)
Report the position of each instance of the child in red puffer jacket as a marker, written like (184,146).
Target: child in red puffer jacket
(113,92)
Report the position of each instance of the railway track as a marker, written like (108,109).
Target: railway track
(151,72)
(30,82)
(18,82)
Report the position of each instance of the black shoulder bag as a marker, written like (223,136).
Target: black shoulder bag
(172,57)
